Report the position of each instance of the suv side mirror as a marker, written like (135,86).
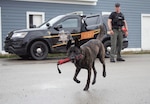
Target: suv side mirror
(58,27)
(48,25)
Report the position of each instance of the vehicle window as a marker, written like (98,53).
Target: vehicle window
(51,21)
(92,20)
(69,23)
(105,19)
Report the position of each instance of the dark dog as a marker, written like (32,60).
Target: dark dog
(84,56)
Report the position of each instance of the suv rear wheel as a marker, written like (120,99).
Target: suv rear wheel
(39,50)
(107,45)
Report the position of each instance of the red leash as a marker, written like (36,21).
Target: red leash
(62,61)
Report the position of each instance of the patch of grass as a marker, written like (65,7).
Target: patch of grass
(56,55)
(8,56)
(62,55)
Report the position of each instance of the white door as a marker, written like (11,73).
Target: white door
(145,36)
(0,32)
(37,20)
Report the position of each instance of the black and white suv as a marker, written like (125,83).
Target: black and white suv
(38,42)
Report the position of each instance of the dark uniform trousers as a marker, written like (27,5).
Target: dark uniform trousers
(116,43)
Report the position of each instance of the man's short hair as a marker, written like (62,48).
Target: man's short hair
(117,5)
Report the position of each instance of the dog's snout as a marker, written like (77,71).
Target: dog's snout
(72,57)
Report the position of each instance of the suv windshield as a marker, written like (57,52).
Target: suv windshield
(51,21)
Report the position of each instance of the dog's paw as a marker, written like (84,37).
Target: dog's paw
(77,81)
(104,74)
(85,89)
(93,82)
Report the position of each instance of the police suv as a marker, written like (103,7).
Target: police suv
(50,37)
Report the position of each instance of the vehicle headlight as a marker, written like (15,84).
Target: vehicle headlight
(19,35)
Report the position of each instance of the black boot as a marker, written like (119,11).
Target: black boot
(120,59)
(112,60)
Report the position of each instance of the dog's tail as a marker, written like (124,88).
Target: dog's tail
(102,33)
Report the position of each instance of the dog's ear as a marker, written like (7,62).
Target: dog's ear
(68,44)
(77,43)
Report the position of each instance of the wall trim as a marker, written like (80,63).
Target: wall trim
(79,2)
(106,13)
(132,50)
(34,13)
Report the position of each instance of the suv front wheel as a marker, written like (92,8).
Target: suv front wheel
(39,50)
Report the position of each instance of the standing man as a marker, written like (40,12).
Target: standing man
(116,21)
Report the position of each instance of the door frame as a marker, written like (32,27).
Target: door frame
(34,13)
(142,30)
(0,32)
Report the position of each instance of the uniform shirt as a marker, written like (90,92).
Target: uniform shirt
(117,20)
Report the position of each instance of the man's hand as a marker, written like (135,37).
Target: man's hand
(126,33)
(126,26)
(111,32)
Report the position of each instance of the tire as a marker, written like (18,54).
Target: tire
(107,45)
(39,50)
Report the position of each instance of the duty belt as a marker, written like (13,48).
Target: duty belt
(119,28)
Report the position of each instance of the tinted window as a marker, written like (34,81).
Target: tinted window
(52,21)
(92,20)
(69,23)
(105,19)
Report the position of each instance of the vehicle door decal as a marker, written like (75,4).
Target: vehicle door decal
(57,36)
(84,35)
(89,34)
